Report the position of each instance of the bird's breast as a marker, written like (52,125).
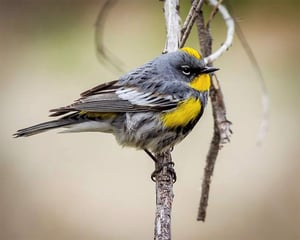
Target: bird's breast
(187,111)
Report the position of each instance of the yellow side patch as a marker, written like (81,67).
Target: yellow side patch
(201,82)
(183,114)
(98,115)
(192,52)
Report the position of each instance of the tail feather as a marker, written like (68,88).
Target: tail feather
(42,127)
(76,122)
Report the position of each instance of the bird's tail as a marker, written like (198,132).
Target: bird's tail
(42,127)
(74,122)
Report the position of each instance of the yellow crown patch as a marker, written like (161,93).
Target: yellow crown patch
(192,52)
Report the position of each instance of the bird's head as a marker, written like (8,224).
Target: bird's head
(187,64)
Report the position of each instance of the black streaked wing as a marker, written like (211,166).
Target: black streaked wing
(101,88)
(122,100)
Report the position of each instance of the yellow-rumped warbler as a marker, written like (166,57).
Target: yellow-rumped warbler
(152,107)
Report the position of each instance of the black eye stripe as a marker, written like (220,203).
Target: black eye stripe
(189,70)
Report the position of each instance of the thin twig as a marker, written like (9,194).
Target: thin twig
(221,135)
(190,20)
(204,35)
(265,101)
(230,32)
(105,55)
(213,13)
(222,130)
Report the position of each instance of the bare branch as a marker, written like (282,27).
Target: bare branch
(265,101)
(104,55)
(204,35)
(171,9)
(230,32)
(264,124)
(190,20)
(165,177)
(213,13)
(164,197)
(222,133)
(221,124)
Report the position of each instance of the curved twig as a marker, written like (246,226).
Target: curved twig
(103,54)
(265,100)
(230,32)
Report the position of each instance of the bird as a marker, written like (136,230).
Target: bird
(152,108)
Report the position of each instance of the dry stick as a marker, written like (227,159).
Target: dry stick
(221,124)
(104,55)
(205,40)
(265,101)
(230,32)
(213,13)
(204,35)
(171,11)
(164,197)
(164,178)
(222,129)
(189,21)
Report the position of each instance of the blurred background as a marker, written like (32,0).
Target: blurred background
(85,186)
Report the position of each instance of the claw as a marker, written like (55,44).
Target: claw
(170,170)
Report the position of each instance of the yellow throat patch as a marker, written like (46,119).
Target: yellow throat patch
(185,112)
(201,82)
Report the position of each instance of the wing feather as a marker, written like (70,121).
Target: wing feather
(101,88)
(112,97)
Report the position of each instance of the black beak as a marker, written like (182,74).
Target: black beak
(209,69)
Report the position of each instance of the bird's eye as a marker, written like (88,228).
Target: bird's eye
(186,70)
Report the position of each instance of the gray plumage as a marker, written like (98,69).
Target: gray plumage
(131,108)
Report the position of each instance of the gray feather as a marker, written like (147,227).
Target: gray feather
(42,127)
